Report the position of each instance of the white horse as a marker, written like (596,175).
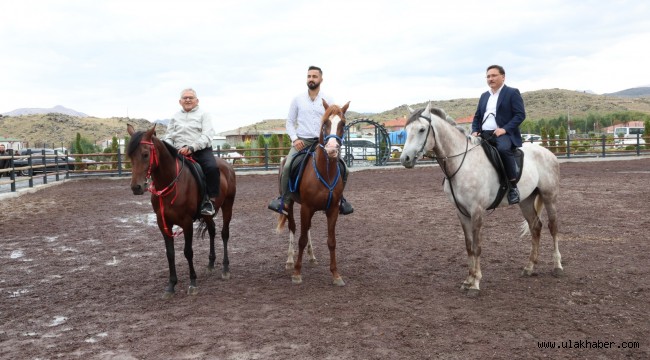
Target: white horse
(472,184)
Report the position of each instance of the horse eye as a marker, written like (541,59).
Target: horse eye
(421,130)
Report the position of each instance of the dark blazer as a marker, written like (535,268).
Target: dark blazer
(510,113)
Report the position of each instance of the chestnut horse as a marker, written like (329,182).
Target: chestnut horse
(321,188)
(175,198)
(471,184)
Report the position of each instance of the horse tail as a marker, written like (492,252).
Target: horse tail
(202,229)
(524,229)
(282,219)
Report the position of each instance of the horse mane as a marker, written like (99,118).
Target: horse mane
(439,113)
(136,138)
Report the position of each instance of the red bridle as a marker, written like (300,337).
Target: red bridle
(153,160)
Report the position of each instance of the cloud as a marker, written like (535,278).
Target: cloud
(248,59)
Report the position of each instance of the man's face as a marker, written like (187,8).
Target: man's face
(495,79)
(313,79)
(2,148)
(188,101)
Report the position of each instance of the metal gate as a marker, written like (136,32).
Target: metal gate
(366,143)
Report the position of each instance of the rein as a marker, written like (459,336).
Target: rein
(153,160)
(331,186)
(444,163)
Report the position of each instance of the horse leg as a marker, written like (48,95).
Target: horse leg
(225,235)
(173,279)
(189,255)
(310,250)
(332,216)
(292,234)
(553,228)
(531,214)
(209,222)
(305,224)
(472,231)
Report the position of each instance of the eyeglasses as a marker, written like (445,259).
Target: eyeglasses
(188,98)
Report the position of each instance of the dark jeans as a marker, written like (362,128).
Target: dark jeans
(208,163)
(505,148)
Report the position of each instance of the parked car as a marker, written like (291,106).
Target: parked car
(52,163)
(360,149)
(530,137)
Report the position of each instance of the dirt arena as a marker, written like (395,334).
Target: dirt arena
(83,269)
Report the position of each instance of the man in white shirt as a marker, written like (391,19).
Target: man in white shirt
(303,128)
(190,131)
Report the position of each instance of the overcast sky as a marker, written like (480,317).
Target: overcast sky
(248,58)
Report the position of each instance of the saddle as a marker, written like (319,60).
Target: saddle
(495,159)
(196,171)
(297,167)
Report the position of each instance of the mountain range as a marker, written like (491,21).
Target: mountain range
(59,125)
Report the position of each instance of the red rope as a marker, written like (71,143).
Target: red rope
(153,160)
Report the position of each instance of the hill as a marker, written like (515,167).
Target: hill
(57,109)
(58,128)
(540,104)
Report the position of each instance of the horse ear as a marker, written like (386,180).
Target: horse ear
(151,132)
(325,105)
(130,129)
(345,107)
(428,108)
(410,109)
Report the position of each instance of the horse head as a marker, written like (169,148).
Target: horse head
(143,157)
(419,136)
(332,127)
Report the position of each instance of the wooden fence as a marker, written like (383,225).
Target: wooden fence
(117,164)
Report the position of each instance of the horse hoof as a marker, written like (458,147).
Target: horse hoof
(338,282)
(558,272)
(192,290)
(527,272)
(464,286)
(473,293)
(288,266)
(210,270)
(313,262)
(167,295)
(225,276)
(296,279)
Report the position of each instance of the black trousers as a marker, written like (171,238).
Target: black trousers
(208,163)
(505,147)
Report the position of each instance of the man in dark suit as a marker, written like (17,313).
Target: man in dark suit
(499,113)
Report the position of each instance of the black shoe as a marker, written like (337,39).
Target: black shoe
(513,196)
(345,208)
(277,205)
(207,208)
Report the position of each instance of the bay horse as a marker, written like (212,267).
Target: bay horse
(320,189)
(471,183)
(175,198)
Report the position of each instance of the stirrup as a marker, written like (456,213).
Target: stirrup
(207,208)
(277,205)
(345,208)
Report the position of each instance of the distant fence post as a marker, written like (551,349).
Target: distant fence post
(12,174)
(119,162)
(266,156)
(603,143)
(568,146)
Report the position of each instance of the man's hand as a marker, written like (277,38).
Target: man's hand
(186,150)
(499,131)
(298,144)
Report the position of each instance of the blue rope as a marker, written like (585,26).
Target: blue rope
(330,187)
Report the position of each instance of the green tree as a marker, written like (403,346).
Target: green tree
(544,137)
(552,142)
(286,143)
(113,149)
(274,152)
(562,142)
